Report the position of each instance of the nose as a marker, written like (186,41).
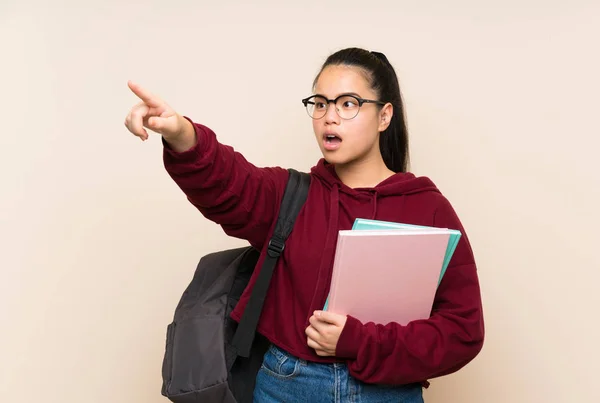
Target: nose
(331,115)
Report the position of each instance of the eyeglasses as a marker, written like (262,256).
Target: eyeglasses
(346,106)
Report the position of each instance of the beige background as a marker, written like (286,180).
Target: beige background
(97,243)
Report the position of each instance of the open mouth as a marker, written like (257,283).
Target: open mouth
(332,139)
(331,142)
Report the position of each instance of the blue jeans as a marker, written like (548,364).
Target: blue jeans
(284,378)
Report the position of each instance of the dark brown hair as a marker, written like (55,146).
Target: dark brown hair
(393,142)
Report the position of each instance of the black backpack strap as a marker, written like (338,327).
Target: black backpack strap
(294,197)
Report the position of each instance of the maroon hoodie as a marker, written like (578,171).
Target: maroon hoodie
(244,200)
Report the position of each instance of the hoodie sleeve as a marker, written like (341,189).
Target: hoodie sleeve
(423,349)
(226,188)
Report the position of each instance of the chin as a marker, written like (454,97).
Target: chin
(335,158)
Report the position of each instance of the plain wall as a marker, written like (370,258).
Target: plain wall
(97,243)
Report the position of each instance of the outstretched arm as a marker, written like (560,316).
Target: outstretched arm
(220,182)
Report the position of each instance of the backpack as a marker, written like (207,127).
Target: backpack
(208,356)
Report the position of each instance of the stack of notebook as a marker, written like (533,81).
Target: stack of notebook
(389,272)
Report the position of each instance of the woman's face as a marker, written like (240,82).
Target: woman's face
(347,141)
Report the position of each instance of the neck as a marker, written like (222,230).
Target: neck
(363,174)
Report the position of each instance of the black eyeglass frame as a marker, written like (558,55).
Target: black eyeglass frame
(360,101)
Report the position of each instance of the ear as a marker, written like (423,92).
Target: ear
(385,116)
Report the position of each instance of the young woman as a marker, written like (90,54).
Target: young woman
(316,356)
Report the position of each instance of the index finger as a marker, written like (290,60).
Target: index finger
(317,325)
(148,98)
(328,317)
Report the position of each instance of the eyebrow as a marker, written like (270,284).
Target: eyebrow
(340,95)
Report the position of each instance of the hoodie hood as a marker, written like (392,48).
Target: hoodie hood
(402,183)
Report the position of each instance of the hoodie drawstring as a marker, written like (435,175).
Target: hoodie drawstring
(334,208)
(329,251)
(374,205)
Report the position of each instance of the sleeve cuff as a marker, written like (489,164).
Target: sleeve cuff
(349,341)
(191,154)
